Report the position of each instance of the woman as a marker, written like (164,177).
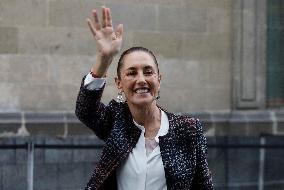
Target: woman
(146,147)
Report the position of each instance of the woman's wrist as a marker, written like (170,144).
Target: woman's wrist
(101,66)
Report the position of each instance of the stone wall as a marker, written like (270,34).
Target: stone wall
(235,162)
(46,48)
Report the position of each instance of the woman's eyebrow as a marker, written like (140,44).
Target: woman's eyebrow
(131,68)
(148,67)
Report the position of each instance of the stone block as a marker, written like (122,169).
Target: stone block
(238,124)
(259,123)
(5,68)
(181,100)
(76,172)
(213,47)
(74,13)
(243,163)
(70,13)
(182,18)
(34,69)
(9,123)
(56,155)
(218,98)
(87,155)
(166,44)
(27,12)
(274,163)
(276,185)
(45,124)
(219,19)
(206,120)
(9,40)
(244,187)
(7,156)
(280,121)
(35,40)
(135,16)
(219,72)
(44,97)
(46,176)
(74,67)
(181,73)
(21,154)
(216,160)
(75,129)
(14,177)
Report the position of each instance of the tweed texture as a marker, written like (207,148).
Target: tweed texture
(183,148)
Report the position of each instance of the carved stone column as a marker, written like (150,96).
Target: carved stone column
(249,54)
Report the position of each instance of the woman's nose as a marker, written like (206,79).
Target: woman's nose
(141,78)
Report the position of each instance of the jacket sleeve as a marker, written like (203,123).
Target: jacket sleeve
(202,179)
(93,113)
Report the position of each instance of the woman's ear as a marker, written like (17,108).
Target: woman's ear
(159,79)
(118,83)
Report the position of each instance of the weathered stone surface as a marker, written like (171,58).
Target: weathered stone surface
(49,124)
(14,173)
(61,13)
(166,44)
(10,123)
(9,99)
(46,176)
(5,67)
(182,18)
(243,163)
(9,40)
(274,164)
(23,12)
(74,172)
(87,155)
(26,69)
(213,47)
(76,129)
(58,155)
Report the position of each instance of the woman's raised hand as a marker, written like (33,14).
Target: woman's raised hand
(107,39)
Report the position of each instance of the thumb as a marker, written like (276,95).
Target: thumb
(119,31)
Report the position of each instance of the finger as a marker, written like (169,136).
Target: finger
(108,18)
(103,16)
(91,26)
(96,20)
(119,31)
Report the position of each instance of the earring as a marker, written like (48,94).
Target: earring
(158,97)
(119,97)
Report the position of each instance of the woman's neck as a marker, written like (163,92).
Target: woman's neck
(148,115)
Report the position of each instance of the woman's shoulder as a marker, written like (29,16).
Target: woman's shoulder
(184,119)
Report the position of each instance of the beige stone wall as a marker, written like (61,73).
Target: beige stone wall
(46,48)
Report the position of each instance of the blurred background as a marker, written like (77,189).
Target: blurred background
(221,61)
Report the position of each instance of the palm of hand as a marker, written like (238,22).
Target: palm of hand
(108,41)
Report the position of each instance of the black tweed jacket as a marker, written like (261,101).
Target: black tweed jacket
(183,148)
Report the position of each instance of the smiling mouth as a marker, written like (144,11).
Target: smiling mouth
(142,90)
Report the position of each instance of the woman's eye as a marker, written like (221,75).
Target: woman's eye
(131,73)
(149,72)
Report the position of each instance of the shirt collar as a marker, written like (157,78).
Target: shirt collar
(163,128)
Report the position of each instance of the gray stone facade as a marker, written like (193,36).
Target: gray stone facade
(46,48)
(212,57)
(236,163)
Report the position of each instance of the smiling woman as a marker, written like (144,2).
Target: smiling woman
(146,147)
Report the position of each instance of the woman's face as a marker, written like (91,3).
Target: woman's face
(140,79)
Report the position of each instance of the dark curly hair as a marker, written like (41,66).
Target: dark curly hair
(130,50)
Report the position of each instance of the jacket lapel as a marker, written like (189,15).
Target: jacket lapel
(123,138)
(178,150)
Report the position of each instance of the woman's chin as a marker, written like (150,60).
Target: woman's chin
(142,101)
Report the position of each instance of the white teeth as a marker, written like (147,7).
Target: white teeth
(140,91)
